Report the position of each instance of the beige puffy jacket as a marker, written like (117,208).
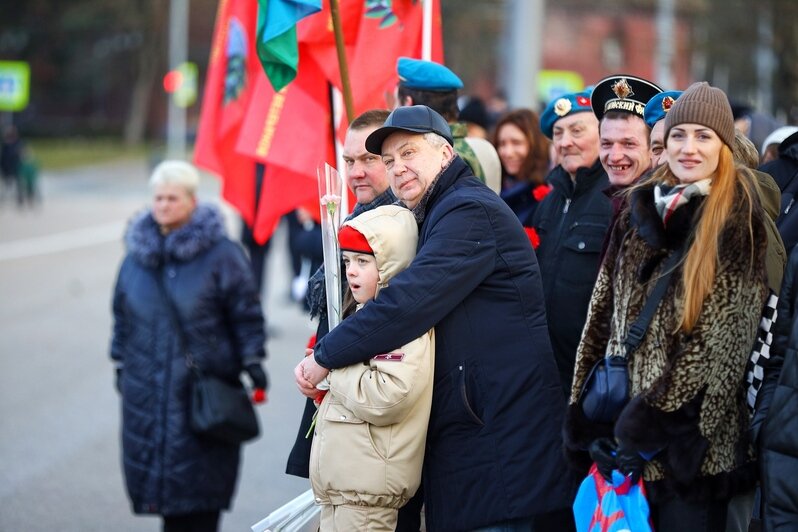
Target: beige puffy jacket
(371,428)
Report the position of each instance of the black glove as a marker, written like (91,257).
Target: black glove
(257,376)
(630,463)
(602,451)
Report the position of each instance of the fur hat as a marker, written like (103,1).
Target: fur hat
(705,105)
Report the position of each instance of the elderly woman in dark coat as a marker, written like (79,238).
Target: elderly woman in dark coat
(170,471)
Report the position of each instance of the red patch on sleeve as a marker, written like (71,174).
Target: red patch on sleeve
(541,191)
(533,236)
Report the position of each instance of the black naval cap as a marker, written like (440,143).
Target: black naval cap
(410,119)
(623,93)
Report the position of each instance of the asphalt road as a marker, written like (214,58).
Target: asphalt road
(59,412)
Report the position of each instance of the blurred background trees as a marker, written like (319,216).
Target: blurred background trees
(97,65)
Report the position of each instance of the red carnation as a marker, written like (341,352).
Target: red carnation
(319,397)
(533,236)
(540,192)
(258,395)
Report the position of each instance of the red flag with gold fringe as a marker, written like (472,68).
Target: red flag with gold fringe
(229,86)
(291,131)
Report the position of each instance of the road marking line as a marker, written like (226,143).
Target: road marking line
(64,241)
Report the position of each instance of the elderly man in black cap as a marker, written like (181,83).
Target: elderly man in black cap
(434,85)
(494,451)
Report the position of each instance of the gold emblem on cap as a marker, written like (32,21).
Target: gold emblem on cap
(562,107)
(667,102)
(622,89)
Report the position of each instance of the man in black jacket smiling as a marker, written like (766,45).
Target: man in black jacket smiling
(494,450)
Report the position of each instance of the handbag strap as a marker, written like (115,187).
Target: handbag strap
(174,315)
(638,329)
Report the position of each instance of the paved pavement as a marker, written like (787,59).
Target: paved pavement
(59,412)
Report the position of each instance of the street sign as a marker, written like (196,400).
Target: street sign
(554,83)
(186,93)
(14,85)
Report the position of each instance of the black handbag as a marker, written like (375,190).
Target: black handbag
(220,409)
(606,388)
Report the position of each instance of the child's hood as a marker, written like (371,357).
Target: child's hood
(392,233)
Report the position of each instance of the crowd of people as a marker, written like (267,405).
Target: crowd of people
(484,281)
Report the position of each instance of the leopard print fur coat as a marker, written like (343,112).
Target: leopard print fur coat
(688,396)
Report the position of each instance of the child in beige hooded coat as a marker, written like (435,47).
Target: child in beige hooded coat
(368,446)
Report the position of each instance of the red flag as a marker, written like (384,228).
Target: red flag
(316,33)
(290,132)
(229,85)
(373,68)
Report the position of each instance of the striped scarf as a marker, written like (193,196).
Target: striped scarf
(667,199)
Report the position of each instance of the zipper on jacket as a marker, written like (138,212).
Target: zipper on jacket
(566,206)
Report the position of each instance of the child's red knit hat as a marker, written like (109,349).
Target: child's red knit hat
(350,239)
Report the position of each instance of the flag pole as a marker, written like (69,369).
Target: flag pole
(426,31)
(342,64)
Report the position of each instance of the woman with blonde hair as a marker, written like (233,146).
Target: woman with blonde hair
(685,428)
(184,295)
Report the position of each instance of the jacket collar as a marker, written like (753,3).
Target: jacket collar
(585,179)
(149,247)
(456,169)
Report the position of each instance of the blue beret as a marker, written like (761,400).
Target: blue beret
(658,106)
(565,105)
(426,75)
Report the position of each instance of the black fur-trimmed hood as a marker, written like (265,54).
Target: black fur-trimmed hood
(147,246)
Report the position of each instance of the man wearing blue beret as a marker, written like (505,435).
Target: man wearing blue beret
(656,110)
(432,84)
(571,222)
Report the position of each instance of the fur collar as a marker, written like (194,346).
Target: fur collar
(147,246)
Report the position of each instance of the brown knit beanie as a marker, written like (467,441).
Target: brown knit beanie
(705,105)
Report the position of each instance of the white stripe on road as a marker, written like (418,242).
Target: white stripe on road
(65,241)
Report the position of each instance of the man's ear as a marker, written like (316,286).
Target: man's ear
(448,154)
(408,101)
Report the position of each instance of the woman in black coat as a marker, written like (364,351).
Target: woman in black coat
(170,471)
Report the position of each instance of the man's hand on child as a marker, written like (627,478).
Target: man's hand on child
(313,372)
(306,388)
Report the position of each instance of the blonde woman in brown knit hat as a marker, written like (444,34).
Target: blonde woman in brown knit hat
(685,428)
